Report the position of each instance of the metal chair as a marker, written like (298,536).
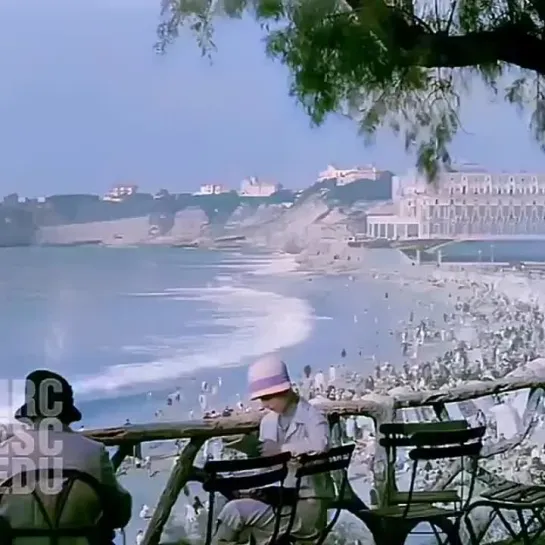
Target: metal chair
(401,512)
(232,476)
(51,505)
(334,462)
(511,497)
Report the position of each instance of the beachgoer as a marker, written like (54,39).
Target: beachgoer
(319,381)
(49,411)
(202,402)
(291,425)
(197,504)
(139,537)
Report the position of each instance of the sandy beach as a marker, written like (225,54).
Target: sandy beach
(374,308)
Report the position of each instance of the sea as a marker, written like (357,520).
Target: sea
(127,326)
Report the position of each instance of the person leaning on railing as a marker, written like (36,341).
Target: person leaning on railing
(291,425)
(49,442)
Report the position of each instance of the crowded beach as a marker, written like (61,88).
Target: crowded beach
(485,334)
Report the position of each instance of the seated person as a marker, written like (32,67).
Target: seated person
(49,442)
(291,425)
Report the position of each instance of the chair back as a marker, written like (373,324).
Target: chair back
(336,459)
(45,495)
(227,476)
(432,441)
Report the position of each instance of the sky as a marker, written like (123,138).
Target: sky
(86,103)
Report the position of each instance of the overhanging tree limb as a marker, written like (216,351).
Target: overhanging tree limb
(510,43)
(401,64)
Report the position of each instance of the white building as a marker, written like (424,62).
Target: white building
(120,192)
(393,221)
(252,187)
(212,189)
(466,203)
(348,176)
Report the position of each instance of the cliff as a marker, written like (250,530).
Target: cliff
(285,221)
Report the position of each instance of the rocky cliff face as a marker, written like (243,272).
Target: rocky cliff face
(292,226)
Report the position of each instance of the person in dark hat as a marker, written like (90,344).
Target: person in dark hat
(48,395)
(48,442)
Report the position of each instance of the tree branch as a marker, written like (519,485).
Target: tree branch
(417,46)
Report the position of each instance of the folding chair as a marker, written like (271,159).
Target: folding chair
(334,462)
(511,497)
(231,476)
(401,512)
(52,505)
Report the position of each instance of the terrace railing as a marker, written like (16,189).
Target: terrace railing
(380,408)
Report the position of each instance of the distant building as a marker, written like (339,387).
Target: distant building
(348,176)
(162,194)
(120,192)
(252,187)
(393,221)
(464,203)
(11,200)
(212,189)
(373,184)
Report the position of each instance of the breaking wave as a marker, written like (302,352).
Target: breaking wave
(251,322)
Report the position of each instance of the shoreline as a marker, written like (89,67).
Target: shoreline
(334,300)
(362,311)
(425,285)
(459,289)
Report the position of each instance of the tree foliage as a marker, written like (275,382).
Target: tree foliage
(403,64)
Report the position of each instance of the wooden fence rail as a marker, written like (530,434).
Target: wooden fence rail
(380,408)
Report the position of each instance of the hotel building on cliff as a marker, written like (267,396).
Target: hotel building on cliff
(465,204)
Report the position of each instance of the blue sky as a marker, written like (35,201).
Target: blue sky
(86,103)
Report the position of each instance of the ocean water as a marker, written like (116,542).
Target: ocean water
(128,325)
(499,251)
(120,322)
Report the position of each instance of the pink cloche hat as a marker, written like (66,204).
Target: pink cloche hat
(268,376)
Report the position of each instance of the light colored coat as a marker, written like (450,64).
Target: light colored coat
(308,432)
(64,448)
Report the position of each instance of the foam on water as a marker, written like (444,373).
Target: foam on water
(281,265)
(259,322)
(244,323)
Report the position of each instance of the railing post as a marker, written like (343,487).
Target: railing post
(384,412)
(124,450)
(181,473)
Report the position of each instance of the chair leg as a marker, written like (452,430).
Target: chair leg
(391,532)
(450,529)
(523,528)
(475,539)
(506,524)
(537,519)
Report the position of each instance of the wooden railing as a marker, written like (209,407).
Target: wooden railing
(380,408)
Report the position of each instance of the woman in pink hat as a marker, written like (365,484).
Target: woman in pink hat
(290,425)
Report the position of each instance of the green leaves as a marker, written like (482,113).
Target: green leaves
(399,64)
